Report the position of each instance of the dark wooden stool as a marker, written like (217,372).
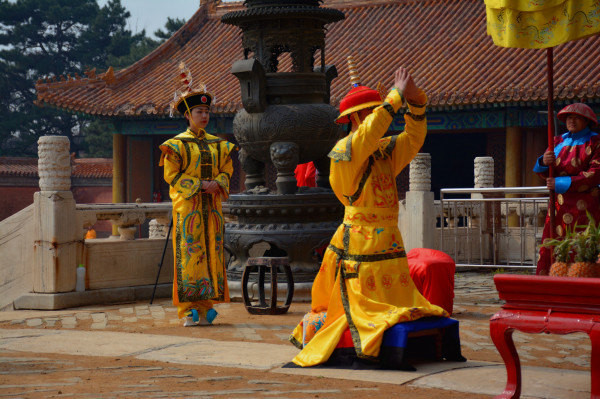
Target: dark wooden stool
(260,265)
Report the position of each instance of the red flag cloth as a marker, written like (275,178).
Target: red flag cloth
(433,274)
(305,175)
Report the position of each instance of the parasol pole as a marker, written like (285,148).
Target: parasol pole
(550,63)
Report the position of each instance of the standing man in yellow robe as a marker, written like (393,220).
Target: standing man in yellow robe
(364,283)
(198,168)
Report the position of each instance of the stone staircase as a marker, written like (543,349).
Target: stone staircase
(16,256)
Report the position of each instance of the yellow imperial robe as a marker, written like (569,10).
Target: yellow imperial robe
(364,282)
(200,270)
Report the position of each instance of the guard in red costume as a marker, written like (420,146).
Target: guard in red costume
(576,160)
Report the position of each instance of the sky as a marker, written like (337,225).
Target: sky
(152,14)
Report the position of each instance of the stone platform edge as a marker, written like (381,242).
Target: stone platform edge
(65,300)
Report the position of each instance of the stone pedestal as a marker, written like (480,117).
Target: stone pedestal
(420,229)
(417,218)
(56,235)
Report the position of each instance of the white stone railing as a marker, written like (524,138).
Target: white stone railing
(127,217)
(470,213)
(491,228)
(479,227)
(58,228)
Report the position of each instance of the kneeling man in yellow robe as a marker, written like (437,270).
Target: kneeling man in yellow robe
(364,282)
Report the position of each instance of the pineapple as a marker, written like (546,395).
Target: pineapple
(562,254)
(583,269)
(559,269)
(587,246)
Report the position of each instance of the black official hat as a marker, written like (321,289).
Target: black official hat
(189,98)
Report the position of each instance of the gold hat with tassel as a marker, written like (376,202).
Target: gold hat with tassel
(188,98)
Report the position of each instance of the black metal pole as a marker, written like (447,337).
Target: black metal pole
(162,258)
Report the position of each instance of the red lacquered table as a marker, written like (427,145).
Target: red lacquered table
(551,305)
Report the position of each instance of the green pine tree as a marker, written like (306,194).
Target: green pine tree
(40,38)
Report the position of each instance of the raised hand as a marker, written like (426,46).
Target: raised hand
(403,81)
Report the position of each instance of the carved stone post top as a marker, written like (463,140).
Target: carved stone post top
(420,172)
(484,160)
(54,163)
(422,155)
(53,139)
(484,172)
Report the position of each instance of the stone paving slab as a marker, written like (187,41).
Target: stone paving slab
(490,379)
(88,343)
(164,348)
(382,376)
(471,377)
(249,355)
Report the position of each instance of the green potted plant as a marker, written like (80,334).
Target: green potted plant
(587,248)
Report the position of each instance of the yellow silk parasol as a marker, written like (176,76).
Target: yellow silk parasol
(537,24)
(541,23)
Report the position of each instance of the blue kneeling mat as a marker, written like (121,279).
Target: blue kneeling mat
(412,340)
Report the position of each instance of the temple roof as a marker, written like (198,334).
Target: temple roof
(442,42)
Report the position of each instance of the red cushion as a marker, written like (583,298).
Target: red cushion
(346,339)
(433,274)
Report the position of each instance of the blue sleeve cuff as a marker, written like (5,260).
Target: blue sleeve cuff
(539,167)
(562,184)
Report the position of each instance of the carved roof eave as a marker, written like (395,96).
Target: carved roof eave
(129,111)
(326,15)
(497,94)
(110,80)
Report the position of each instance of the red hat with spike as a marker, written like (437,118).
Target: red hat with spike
(358,98)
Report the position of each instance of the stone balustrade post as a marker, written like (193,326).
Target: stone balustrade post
(484,172)
(57,234)
(484,178)
(420,173)
(417,217)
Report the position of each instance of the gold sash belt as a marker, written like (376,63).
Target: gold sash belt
(371,216)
